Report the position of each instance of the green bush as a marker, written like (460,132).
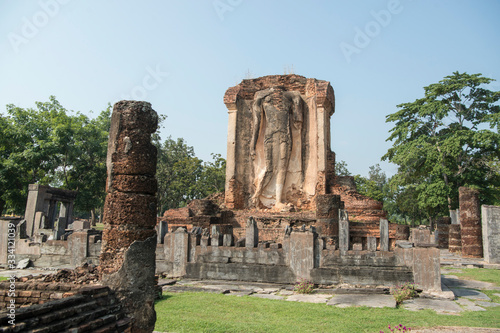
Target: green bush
(304,287)
(403,292)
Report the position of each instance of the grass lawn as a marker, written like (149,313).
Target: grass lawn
(3,278)
(99,226)
(204,312)
(479,274)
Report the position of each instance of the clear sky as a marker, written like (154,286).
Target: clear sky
(182,56)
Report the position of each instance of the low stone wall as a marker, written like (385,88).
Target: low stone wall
(82,246)
(302,255)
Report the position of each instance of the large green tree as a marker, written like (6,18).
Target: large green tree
(49,146)
(445,140)
(183,177)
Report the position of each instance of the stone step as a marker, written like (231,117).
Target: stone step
(89,321)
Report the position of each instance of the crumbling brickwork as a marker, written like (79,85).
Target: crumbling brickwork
(359,207)
(129,238)
(455,239)
(443,228)
(470,221)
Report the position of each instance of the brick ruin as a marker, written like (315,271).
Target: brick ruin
(127,260)
(285,215)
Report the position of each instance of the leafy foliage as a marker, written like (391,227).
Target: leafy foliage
(403,292)
(445,140)
(48,146)
(304,287)
(183,177)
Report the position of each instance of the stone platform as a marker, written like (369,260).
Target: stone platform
(458,295)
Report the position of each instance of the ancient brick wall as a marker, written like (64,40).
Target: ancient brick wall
(29,293)
(359,207)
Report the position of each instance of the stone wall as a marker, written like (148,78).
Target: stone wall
(302,254)
(80,247)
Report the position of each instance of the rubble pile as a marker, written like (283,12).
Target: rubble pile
(85,274)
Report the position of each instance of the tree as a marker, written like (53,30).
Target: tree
(213,177)
(445,140)
(177,173)
(48,146)
(341,169)
(183,177)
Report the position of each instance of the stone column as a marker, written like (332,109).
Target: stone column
(302,254)
(455,216)
(61,222)
(384,235)
(470,221)
(491,233)
(162,230)
(343,231)
(371,243)
(127,262)
(252,233)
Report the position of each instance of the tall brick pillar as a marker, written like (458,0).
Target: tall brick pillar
(470,222)
(127,262)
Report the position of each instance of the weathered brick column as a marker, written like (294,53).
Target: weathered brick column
(455,238)
(127,262)
(443,228)
(327,214)
(470,222)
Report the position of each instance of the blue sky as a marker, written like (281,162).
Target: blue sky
(182,56)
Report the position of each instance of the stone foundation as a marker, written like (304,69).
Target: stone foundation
(301,254)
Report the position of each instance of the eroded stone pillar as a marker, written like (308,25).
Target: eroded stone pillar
(491,233)
(470,222)
(343,231)
(251,233)
(384,235)
(127,262)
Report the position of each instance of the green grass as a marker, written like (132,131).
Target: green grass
(204,312)
(99,226)
(3,278)
(479,274)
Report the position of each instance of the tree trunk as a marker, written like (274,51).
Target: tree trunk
(2,206)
